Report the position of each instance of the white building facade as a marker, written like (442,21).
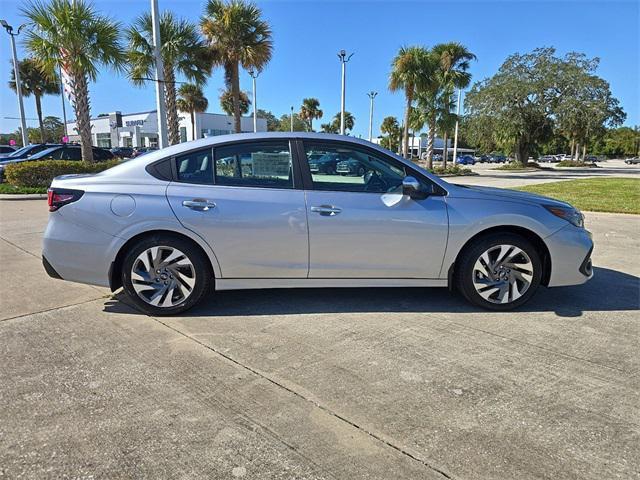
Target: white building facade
(141,129)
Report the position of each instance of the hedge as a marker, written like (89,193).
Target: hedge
(40,174)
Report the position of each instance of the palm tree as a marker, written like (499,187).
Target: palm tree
(33,81)
(391,127)
(183,53)
(411,71)
(349,121)
(226,102)
(75,36)
(452,73)
(237,37)
(310,110)
(192,100)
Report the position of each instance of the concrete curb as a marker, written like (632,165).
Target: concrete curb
(23,196)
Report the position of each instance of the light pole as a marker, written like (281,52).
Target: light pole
(16,72)
(254,75)
(342,55)
(159,74)
(455,135)
(371,96)
(291,118)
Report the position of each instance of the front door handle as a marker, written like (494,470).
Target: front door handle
(199,204)
(326,210)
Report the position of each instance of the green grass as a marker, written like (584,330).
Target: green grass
(615,195)
(6,188)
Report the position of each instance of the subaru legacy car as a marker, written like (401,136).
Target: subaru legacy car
(179,223)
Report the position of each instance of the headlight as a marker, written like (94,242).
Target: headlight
(571,215)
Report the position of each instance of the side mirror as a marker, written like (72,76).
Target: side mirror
(413,188)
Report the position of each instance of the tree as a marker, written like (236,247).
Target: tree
(226,102)
(33,81)
(299,125)
(334,126)
(586,106)
(536,94)
(619,142)
(237,37)
(391,128)
(452,73)
(76,36)
(412,72)
(183,53)
(310,110)
(192,100)
(273,124)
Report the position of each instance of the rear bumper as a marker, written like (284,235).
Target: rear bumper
(570,249)
(77,253)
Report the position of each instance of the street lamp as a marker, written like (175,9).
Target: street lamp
(342,55)
(16,72)
(371,96)
(455,136)
(159,75)
(254,75)
(291,118)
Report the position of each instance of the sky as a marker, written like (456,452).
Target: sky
(308,34)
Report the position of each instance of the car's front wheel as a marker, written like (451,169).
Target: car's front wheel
(499,272)
(165,275)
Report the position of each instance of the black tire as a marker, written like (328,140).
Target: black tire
(201,267)
(361,171)
(465,265)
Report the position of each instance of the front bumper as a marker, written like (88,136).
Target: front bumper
(570,249)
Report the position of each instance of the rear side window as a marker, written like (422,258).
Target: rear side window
(195,167)
(69,153)
(264,165)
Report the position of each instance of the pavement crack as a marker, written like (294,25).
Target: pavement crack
(324,408)
(60,307)
(20,248)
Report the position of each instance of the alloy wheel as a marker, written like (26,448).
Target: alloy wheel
(502,274)
(163,276)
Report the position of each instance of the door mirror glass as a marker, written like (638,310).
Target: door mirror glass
(413,188)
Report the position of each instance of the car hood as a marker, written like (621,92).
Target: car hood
(512,195)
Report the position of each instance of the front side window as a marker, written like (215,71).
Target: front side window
(68,153)
(265,165)
(195,167)
(351,169)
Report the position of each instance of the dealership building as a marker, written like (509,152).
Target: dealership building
(141,129)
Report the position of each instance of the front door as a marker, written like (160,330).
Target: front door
(241,199)
(360,224)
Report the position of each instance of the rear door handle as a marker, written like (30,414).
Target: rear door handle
(199,204)
(326,210)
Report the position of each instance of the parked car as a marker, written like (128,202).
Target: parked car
(482,158)
(548,159)
(62,152)
(591,158)
(6,150)
(632,161)
(169,229)
(123,152)
(29,150)
(497,159)
(351,167)
(325,163)
(142,150)
(465,160)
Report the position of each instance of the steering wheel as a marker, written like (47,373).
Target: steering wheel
(373,182)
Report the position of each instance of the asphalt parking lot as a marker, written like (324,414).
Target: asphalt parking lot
(315,384)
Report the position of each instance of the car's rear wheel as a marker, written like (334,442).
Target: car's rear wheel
(499,272)
(165,275)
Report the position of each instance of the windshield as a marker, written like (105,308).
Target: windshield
(19,152)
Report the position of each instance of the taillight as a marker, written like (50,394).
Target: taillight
(59,197)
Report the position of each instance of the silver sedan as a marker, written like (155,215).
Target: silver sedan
(246,211)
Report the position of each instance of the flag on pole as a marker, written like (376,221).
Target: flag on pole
(67,80)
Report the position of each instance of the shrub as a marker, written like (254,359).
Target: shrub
(519,166)
(573,163)
(451,170)
(40,174)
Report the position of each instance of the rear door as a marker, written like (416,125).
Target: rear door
(360,224)
(243,199)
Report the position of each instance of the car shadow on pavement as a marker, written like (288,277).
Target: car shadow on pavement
(609,290)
